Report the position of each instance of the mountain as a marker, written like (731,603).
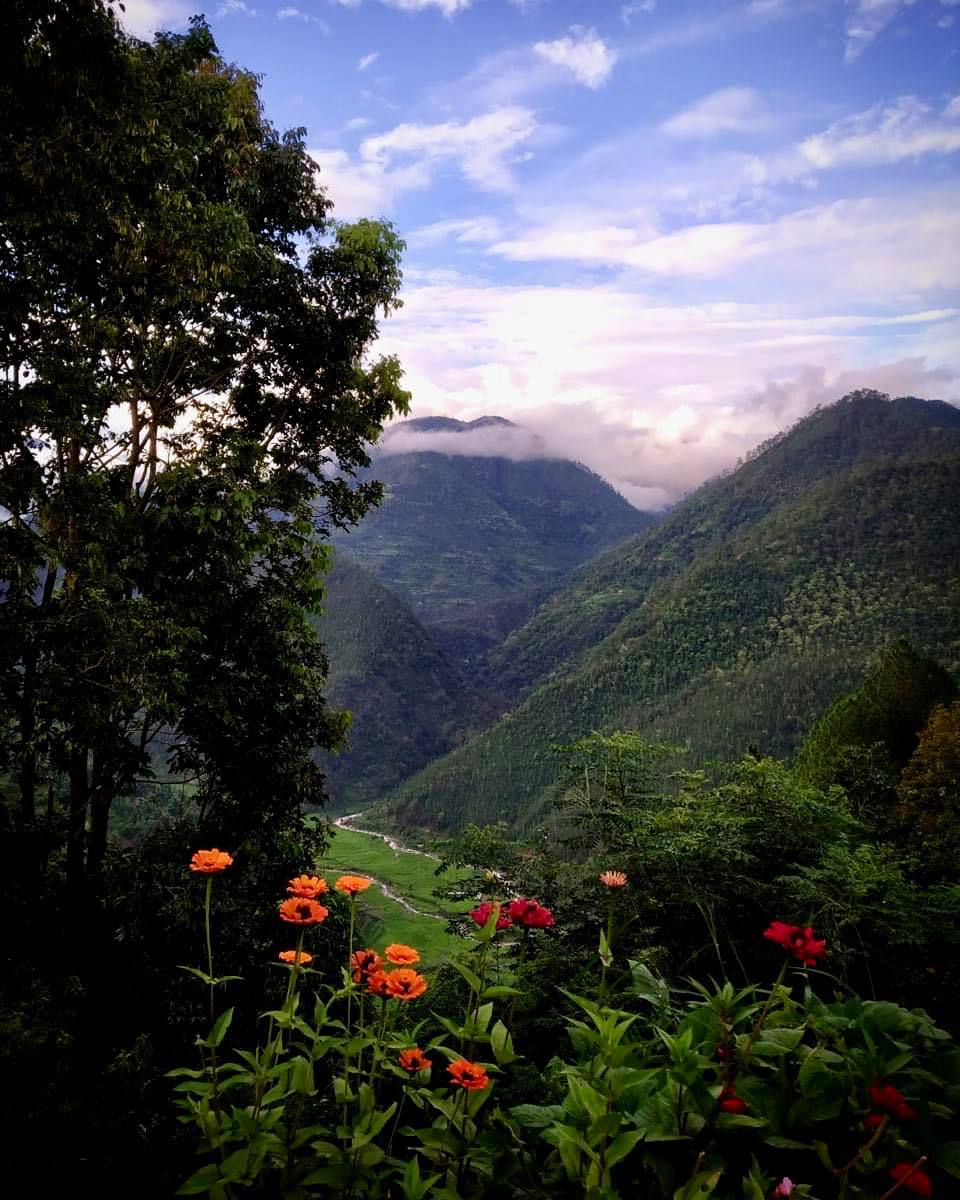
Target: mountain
(408,702)
(736,620)
(472,538)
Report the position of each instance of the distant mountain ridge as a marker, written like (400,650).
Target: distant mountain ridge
(473,542)
(738,618)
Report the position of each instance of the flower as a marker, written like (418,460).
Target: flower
(210,862)
(481,914)
(298,910)
(350,885)
(414,1060)
(365,963)
(613,879)
(309,886)
(405,984)
(783,1188)
(730,1102)
(402,956)
(377,984)
(293,956)
(468,1075)
(530,913)
(723,1053)
(885,1095)
(873,1120)
(798,940)
(912,1178)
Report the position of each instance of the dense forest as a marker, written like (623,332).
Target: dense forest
(735,620)
(688,831)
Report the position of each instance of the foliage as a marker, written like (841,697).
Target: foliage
(707,1091)
(929,791)
(887,713)
(183,404)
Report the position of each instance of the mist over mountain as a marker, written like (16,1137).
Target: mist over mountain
(738,618)
(477,526)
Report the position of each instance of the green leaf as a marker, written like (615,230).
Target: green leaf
(699,1186)
(220,1027)
(201,1181)
(621,1146)
(472,979)
(947,1157)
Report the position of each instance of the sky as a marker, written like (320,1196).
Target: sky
(653,232)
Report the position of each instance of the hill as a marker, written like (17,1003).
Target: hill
(473,541)
(408,702)
(740,617)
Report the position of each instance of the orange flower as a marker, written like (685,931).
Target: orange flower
(414,1060)
(406,984)
(291,956)
(613,879)
(468,1075)
(210,862)
(350,885)
(378,985)
(365,963)
(299,910)
(308,886)
(402,955)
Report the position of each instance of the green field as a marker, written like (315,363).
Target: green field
(409,875)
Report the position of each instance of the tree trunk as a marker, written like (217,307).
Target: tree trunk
(100,801)
(76,826)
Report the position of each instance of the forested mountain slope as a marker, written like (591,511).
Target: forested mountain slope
(862,427)
(409,704)
(473,543)
(737,621)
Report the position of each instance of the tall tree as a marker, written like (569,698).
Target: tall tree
(186,393)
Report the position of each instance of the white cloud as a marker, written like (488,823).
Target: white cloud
(729,110)
(289,13)
(655,397)
(629,11)
(896,244)
(368,60)
(866,22)
(144,17)
(361,189)
(885,133)
(447,7)
(356,123)
(482,147)
(584,53)
(465,230)
(230,8)
(405,159)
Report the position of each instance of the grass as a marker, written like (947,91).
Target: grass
(409,875)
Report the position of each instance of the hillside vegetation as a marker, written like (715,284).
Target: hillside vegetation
(408,703)
(738,619)
(472,544)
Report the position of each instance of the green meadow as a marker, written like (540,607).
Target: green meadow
(412,876)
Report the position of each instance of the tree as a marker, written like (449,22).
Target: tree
(186,395)
(929,792)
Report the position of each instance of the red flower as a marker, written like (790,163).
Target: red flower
(799,940)
(530,913)
(414,1060)
(873,1120)
(912,1178)
(210,862)
(300,911)
(377,984)
(364,964)
(723,1053)
(730,1102)
(307,886)
(481,914)
(885,1095)
(468,1075)
(405,984)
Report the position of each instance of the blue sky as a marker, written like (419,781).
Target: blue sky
(655,232)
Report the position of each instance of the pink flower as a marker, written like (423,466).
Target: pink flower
(481,914)
(530,913)
(783,1188)
(799,940)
